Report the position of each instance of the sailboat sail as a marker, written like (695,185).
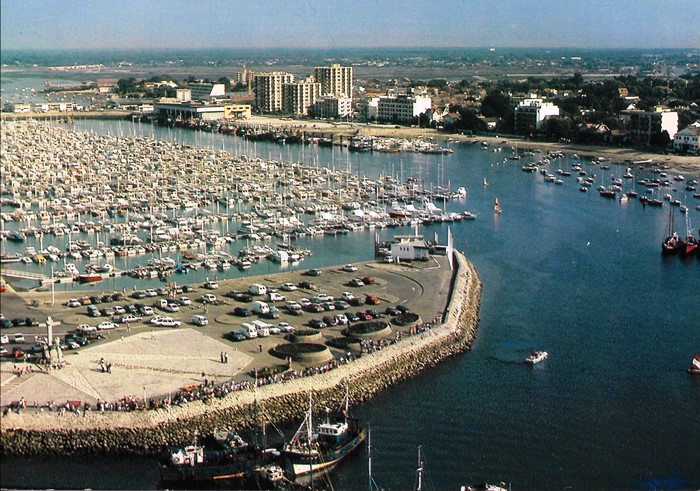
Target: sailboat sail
(496,206)
(696,362)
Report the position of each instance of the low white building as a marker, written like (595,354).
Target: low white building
(204,91)
(332,107)
(411,247)
(688,139)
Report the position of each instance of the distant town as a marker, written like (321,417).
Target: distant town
(599,98)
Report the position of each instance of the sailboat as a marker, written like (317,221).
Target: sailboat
(496,206)
(695,366)
(318,448)
(690,245)
(486,183)
(672,244)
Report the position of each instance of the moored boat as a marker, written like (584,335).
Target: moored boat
(89,277)
(497,206)
(695,366)
(672,243)
(318,448)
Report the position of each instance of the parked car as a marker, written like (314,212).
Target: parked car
(313,308)
(73,302)
(106,325)
(127,318)
(375,314)
(235,336)
(242,311)
(184,301)
(372,300)
(208,298)
(171,307)
(200,320)
(288,287)
(356,282)
(391,311)
(147,310)
(317,324)
(341,305)
(169,322)
(349,268)
(4,339)
(402,308)
(5,323)
(330,320)
(211,285)
(151,292)
(352,317)
(307,285)
(312,272)
(284,327)
(86,329)
(118,310)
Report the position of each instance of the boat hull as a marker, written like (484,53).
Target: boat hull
(305,465)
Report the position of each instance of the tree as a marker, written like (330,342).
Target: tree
(496,105)
(660,139)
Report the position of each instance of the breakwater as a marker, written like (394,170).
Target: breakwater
(148,432)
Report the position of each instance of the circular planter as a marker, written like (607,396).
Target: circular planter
(304,336)
(302,352)
(343,343)
(368,330)
(407,319)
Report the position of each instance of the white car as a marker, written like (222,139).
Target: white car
(208,298)
(322,298)
(185,301)
(284,327)
(4,339)
(211,285)
(304,301)
(73,302)
(85,328)
(130,318)
(288,287)
(169,322)
(341,318)
(171,307)
(147,310)
(118,310)
(151,293)
(106,325)
(19,338)
(200,320)
(347,296)
(349,268)
(73,345)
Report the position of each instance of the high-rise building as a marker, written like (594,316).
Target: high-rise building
(268,90)
(530,115)
(645,124)
(297,97)
(335,80)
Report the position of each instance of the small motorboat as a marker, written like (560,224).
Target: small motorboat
(536,357)
(695,366)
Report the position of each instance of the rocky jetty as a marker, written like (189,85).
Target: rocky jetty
(148,432)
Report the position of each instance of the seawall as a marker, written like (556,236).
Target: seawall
(148,432)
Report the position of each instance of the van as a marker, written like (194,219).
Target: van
(260,307)
(276,297)
(161,303)
(257,289)
(248,330)
(200,320)
(262,327)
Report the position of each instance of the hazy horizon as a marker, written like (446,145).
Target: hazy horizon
(334,24)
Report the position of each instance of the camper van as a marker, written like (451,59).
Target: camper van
(262,327)
(248,330)
(260,307)
(257,289)
(200,320)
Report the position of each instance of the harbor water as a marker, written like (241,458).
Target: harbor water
(572,273)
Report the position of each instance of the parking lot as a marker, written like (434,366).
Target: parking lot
(420,287)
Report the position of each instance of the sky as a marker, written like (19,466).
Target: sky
(110,24)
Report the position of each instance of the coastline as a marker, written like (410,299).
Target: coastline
(147,432)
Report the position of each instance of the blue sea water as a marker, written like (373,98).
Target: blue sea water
(568,272)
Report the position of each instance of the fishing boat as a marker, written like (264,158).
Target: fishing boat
(695,366)
(672,244)
(536,357)
(220,459)
(496,206)
(318,448)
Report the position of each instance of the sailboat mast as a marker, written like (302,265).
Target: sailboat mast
(369,459)
(419,472)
